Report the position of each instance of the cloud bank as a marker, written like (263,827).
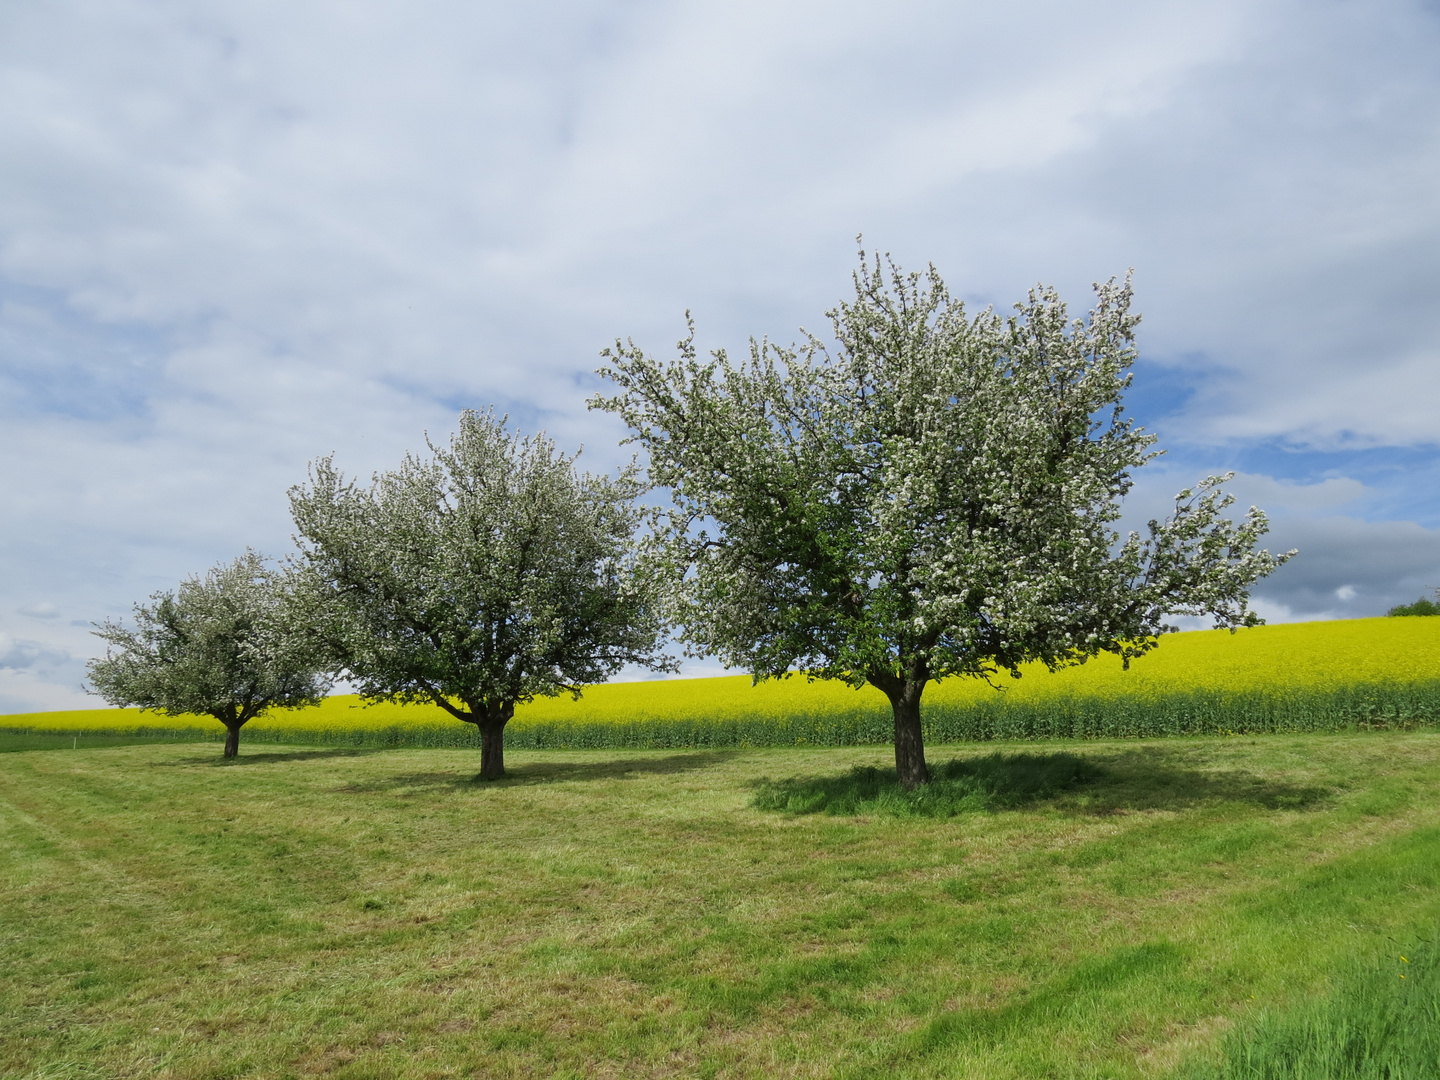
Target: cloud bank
(235,237)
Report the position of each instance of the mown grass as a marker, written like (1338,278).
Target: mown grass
(378,913)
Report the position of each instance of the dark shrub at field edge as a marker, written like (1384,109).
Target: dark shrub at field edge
(1423,606)
(993,782)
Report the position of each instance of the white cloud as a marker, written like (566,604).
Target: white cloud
(1350,568)
(1347,566)
(234,237)
(26,691)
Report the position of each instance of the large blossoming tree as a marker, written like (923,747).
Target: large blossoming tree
(935,496)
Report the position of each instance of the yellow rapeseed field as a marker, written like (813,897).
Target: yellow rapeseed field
(1274,662)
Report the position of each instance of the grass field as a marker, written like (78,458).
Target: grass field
(1297,677)
(1096,909)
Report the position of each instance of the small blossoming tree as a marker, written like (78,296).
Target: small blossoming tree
(223,645)
(490,573)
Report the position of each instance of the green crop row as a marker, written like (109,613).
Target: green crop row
(1002,717)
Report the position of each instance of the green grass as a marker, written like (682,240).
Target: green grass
(1098,910)
(11,741)
(1381,1021)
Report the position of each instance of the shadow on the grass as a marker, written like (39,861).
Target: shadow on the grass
(618,768)
(1148,778)
(547,772)
(270,757)
(992,782)
(1134,780)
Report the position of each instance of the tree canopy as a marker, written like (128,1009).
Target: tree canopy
(935,496)
(222,645)
(1424,606)
(489,573)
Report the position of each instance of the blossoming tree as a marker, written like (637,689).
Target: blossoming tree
(934,496)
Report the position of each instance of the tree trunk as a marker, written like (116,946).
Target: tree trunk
(904,694)
(492,747)
(909,738)
(232,740)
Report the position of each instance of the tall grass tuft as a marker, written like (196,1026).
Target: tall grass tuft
(1381,1022)
(993,782)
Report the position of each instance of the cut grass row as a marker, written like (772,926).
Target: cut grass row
(1100,909)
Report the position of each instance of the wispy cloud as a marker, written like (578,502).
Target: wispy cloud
(20,655)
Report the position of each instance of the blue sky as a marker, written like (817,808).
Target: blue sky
(237,236)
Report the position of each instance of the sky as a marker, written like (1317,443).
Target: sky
(236,237)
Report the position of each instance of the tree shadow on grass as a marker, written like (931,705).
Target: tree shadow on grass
(992,782)
(1069,783)
(269,757)
(617,768)
(1149,778)
(549,772)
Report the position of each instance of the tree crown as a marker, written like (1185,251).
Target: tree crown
(932,495)
(486,574)
(222,645)
(1424,606)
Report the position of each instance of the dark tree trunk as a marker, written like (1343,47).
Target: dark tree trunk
(492,747)
(909,738)
(904,695)
(490,717)
(232,739)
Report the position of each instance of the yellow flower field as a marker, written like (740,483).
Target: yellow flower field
(1389,663)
